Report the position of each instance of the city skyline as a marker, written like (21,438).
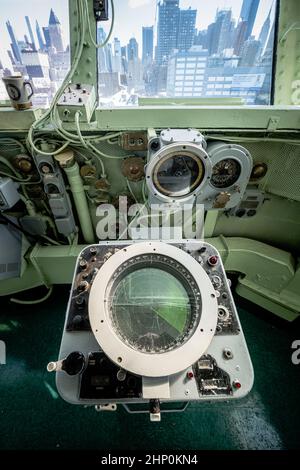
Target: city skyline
(133,13)
(35,10)
(227,58)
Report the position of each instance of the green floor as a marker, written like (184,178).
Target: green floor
(32,416)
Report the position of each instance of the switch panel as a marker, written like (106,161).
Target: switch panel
(77,97)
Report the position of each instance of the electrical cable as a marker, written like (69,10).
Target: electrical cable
(95,44)
(131,191)
(295,26)
(42,120)
(17,180)
(27,234)
(11,142)
(77,123)
(33,302)
(251,139)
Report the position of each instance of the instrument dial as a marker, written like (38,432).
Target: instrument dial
(226,173)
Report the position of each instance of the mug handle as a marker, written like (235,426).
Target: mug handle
(32,92)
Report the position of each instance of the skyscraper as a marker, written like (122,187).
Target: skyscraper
(210,44)
(248,13)
(12,59)
(220,33)
(124,58)
(55,32)
(104,58)
(264,33)
(39,36)
(147,44)
(186,29)
(132,49)
(167,29)
(47,36)
(176,29)
(240,34)
(249,52)
(186,72)
(30,32)
(14,43)
(201,38)
(117,57)
(36,63)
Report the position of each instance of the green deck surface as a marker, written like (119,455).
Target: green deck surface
(32,416)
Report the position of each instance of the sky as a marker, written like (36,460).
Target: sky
(131,15)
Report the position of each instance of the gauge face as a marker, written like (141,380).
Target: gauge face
(225,173)
(178,174)
(154,309)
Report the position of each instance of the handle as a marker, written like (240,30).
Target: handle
(32,92)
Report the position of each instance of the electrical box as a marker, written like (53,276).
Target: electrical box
(9,195)
(101,10)
(77,97)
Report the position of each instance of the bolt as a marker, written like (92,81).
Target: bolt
(45,169)
(80,301)
(227,353)
(121,375)
(83,264)
(83,285)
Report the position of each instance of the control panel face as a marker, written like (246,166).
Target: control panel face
(152,319)
(183,168)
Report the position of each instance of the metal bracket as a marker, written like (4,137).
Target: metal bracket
(108,407)
(273,123)
(175,409)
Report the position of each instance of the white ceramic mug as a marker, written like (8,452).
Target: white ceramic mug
(20,91)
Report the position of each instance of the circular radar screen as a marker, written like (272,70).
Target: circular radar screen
(178,174)
(154,309)
(225,173)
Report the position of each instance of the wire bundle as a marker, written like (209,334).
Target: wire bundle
(51,120)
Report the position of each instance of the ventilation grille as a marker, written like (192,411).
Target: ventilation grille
(283,160)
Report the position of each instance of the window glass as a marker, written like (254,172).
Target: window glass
(34,38)
(156,43)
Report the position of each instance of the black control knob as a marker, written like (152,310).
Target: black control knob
(74,363)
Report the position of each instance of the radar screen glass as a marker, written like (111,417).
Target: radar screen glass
(154,308)
(226,173)
(178,174)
